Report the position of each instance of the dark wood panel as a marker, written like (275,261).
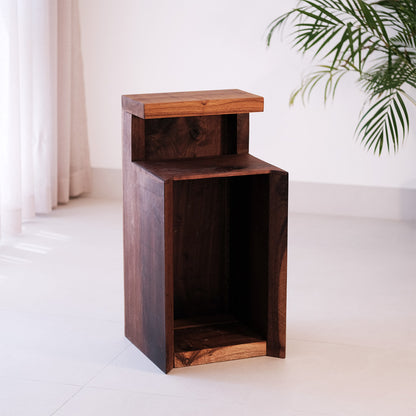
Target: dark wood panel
(192,103)
(133,138)
(276,334)
(169,269)
(146,296)
(188,137)
(249,249)
(239,247)
(192,137)
(200,247)
(229,134)
(137,126)
(208,167)
(205,320)
(183,137)
(258,237)
(243,132)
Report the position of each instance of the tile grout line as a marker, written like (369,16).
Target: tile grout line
(342,344)
(34,380)
(155,394)
(88,381)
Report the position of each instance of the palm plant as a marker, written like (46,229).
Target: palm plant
(376,40)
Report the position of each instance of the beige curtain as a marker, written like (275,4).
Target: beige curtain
(44,156)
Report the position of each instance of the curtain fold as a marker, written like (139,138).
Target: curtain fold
(44,156)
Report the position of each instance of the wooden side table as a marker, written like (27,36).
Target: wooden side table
(205,231)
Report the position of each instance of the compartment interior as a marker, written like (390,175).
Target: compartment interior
(220,268)
(189,137)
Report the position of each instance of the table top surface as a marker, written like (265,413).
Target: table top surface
(192,103)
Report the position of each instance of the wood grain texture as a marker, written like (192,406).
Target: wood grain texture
(169,270)
(220,341)
(276,334)
(220,334)
(193,103)
(191,137)
(146,293)
(137,138)
(188,137)
(215,355)
(243,132)
(221,265)
(208,167)
(200,211)
(205,320)
(205,231)
(183,137)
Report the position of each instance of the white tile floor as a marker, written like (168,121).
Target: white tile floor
(351,326)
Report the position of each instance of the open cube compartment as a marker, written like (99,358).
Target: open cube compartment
(220,273)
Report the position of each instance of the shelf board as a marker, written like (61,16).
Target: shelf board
(192,103)
(201,342)
(208,167)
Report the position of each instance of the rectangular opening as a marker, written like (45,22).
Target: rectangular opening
(190,137)
(220,268)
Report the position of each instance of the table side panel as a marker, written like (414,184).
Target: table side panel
(278,219)
(144,258)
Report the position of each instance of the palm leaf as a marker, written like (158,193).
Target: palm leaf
(386,122)
(374,39)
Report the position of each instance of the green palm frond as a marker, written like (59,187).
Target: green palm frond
(376,40)
(385,123)
(388,76)
(327,74)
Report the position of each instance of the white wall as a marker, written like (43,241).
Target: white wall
(135,46)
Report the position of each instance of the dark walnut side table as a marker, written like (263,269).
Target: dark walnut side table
(205,231)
